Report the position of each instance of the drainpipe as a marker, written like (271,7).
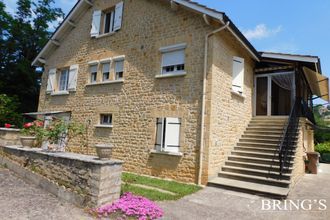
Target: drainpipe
(204,96)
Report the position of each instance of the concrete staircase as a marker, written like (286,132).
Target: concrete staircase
(253,166)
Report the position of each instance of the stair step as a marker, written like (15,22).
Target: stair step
(274,122)
(248,187)
(267,161)
(257,172)
(257,149)
(252,144)
(254,179)
(257,166)
(258,154)
(260,140)
(266,128)
(263,136)
(262,132)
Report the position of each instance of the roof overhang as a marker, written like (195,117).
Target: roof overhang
(299,58)
(318,83)
(83,5)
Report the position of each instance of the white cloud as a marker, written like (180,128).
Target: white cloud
(261,31)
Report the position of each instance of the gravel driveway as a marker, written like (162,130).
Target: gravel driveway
(20,201)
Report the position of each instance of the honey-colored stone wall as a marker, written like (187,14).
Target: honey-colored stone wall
(137,102)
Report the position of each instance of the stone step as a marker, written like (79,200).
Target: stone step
(263,132)
(249,187)
(253,144)
(256,172)
(275,162)
(263,136)
(259,154)
(265,128)
(257,166)
(257,122)
(270,118)
(257,149)
(254,179)
(260,140)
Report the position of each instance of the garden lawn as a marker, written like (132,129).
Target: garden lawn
(147,187)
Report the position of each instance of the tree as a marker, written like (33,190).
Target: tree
(8,111)
(24,35)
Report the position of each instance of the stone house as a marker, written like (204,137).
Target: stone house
(178,90)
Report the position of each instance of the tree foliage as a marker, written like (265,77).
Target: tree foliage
(8,111)
(22,36)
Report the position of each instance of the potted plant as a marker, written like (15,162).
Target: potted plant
(30,133)
(104,151)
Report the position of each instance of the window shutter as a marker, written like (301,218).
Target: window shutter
(120,66)
(118,16)
(51,81)
(238,74)
(159,134)
(73,77)
(106,68)
(173,58)
(172,139)
(96,23)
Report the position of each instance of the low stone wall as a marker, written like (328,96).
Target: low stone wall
(9,136)
(80,179)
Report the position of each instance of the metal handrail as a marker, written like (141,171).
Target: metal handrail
(288,134)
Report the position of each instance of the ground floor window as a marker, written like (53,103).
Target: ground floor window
(168,134)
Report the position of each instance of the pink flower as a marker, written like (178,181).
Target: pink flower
(8,125)
(28,125)
(39,123)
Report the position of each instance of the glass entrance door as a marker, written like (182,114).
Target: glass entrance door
(274,94)
(262,96)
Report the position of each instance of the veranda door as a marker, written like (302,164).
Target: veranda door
(274,94)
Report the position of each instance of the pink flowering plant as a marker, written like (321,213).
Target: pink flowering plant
(130,206)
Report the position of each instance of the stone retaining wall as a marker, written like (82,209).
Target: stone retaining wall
(87,180)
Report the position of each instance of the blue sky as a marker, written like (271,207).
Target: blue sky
(294,26)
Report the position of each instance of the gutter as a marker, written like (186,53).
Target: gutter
(201,153)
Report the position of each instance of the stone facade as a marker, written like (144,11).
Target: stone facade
(87,180)
(9,136)
(141,98)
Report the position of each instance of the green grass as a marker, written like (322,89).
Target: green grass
(180,189)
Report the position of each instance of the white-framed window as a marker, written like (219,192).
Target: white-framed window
(173,59)
(106,119)
(107,21)
(168,134)
(105,71)
(119,69)
(63,80)
(93,73)
(238,74)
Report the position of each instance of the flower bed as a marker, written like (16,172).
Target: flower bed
(130,206)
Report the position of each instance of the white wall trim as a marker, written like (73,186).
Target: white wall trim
(173,47)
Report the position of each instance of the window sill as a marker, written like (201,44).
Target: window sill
(238,94)
(179,154)
(60,93)
(103,126)
(171,75)
(105,35)
(106,82)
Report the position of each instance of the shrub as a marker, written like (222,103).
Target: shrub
(323,148)
(9,111)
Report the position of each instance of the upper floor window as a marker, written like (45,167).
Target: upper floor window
(64,80)
(106,71)
(107,21)
(119,69)
(173,59)
(238,74)
(93,73)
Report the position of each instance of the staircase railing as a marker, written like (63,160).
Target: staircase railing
(289,134)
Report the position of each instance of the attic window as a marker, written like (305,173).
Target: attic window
(107,21)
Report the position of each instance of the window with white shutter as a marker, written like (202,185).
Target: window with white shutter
(168,134)
(173,59)
(73,77)
(119,69)
(107,21)
(63,80)
(51,81)
(96,23)
(238,74)
(105,72)
(93,73)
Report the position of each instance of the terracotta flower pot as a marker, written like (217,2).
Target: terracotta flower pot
(104,151)
(27,141)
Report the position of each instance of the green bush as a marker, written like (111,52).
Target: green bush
(323,148)
(9,111)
